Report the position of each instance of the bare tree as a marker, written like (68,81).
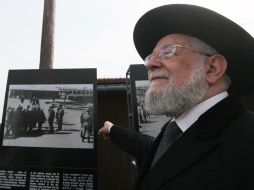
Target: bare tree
(47,39)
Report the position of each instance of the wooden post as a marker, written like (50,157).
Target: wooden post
(47,38)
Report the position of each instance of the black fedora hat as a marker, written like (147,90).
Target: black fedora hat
(227,37)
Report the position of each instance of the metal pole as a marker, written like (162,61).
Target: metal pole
(47,38)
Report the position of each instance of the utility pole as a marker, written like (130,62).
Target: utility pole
(47,38)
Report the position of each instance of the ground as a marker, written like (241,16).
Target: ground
(153,125)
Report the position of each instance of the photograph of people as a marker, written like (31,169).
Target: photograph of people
(48,116)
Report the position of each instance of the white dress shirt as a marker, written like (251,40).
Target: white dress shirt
(192,115)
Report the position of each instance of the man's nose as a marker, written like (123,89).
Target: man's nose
(154,63)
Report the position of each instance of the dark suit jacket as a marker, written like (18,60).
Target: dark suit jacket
(215,153)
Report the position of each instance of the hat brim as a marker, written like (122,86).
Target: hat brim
(227,37)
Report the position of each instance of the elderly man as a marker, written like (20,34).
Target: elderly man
(192,54)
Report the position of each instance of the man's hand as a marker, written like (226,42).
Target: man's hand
(104,131)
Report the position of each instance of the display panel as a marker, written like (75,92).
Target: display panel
(47,131)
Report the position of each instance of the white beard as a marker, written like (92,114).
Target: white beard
(174,100)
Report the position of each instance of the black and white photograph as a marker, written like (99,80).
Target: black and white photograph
(50,115)
(148,124)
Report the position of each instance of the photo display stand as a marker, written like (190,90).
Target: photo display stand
(139,119)
(47,131)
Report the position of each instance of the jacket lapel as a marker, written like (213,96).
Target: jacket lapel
(199,140)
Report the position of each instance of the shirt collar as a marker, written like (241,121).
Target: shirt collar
(192,115)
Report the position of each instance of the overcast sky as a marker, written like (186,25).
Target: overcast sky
(89,33)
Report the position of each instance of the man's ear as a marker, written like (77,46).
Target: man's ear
(216,67)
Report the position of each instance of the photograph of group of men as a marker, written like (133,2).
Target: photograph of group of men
(147,122)
(22,121)
(40,111)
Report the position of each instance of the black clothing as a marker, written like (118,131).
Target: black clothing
(216,152)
